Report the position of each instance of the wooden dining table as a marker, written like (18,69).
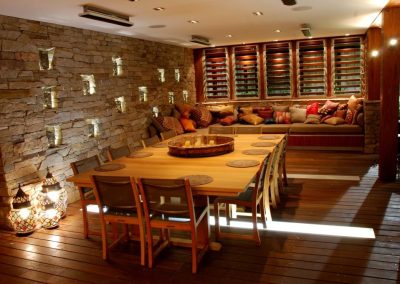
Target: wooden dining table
(226,180)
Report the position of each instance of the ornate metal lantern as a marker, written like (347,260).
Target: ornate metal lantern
(52,189)
(22,215)
(49,216)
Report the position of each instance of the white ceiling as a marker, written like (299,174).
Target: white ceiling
(217,18)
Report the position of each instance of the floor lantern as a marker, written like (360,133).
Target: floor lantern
(51,187)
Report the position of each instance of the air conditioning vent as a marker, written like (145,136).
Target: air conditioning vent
(107,16)
(306,30)
(200,40)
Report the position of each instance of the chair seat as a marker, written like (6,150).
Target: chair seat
(121,211)
(198,211)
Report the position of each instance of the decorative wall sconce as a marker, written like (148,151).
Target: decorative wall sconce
(22,215)
(50,97)
(185,95)
(171,98)
(94,127)
(49,216)
(120,104)
(89,85)
(51,188)
(46,56)
(117,65)
(161,75)
(53,133)
(155,111)
(143,94)
(177,75)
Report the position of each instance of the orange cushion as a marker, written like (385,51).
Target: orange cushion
(252,119)
(228,120)
(188,125)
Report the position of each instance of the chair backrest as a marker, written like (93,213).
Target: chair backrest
(150,141)
(85,164)
(168,134)
(248,130)
(221,130)
(115,153)
(260,177)
(166,197)
(115,193)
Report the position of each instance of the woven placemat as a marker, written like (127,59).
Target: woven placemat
(160,145)
(242,163)
(268,137)
(140,155)
(263,144)
(196,180)
(109,167)
(255,152)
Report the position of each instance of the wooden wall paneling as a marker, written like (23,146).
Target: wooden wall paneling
(232,94)
(262,73)
(198,69)
(389,95)
(373,70)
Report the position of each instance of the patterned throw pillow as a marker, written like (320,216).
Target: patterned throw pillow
(265,112)
(188,125)
(201,116)
(170,123)
(334,120)
(328,108)
(252,119)
(228,120)
(246,110)
(353,102)
(298,114)
(313,119)
(282,117)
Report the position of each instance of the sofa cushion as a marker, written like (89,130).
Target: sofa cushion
(325,128)
(188,124)
(252,119)
(265,113)
(328,108)
(312,109)
(353,102)
(313,119)
(228,120)
(334,120)
(282,117)
(297,114)
(280,108)
(170,123)
(201,116)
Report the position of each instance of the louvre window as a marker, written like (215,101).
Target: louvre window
(347,67)
(311,68)
(216,76)
(246,71)
(278,69)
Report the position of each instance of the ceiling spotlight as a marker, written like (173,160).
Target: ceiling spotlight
(134,0)
(159,9)
(374,53)
(277,31)
(393,41)
(258,13)
(193,22)
(228,36)
(275,40)
(306,30)
(346,34)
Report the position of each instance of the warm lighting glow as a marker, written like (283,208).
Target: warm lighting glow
(53,195)
(303,228)
(50,213)
(346,34)
(24,213)
(92,208)
(193,22)
(374,53)
(228,36)
(393,41)
(159,9)
(258,13)
(277,31)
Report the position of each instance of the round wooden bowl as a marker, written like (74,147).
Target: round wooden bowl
(200,146)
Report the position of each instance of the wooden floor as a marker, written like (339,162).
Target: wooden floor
(63,256)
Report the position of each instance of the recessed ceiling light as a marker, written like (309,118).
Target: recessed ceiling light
(393,41)
(258,13)
(193,22)
(228,36)
(243,43)
(277,31)
(374,53)
(346,34)
(159,8)
(275,40)
(310,37)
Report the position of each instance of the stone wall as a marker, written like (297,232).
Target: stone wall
(371,128)
(24,151)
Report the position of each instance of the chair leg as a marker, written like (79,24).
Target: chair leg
(216,215)
(262,211)
(150,246)
(285,182)
(104,240)
(256,235)
(142,245)
(228,213)
(84,215)
(194,253)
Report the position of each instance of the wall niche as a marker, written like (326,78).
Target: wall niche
(171,98)
(117,65)
(185,96)
(89,85)
(46,56)
(93,127)
(161,75)
(53,134)
(143,94)
(177,75)
(50,97)
(120,104)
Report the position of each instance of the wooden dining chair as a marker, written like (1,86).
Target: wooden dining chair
(282,166)
(119,203)
(221,130)
(248,130)
(252,197)
(276,183)
(115,153)
(150,141)
(168,205)
(167,134)
(86,193)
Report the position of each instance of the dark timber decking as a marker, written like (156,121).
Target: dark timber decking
(63,256)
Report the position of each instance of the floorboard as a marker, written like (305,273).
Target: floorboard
(325,188)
